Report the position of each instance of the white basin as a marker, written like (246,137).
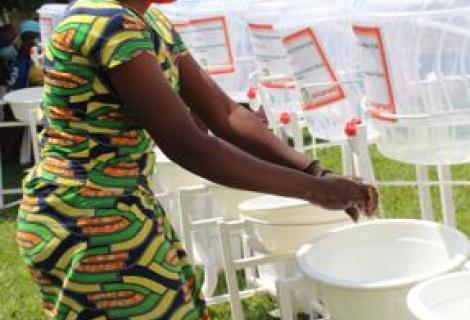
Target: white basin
(282,225)
(170,177)
(23,101)
(443,298)
(365,271)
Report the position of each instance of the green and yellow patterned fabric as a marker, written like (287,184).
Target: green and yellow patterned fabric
(90,230)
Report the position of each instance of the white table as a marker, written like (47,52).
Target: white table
(29,100)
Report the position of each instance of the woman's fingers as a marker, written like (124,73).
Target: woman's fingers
(372,201)
(366,201)
(353,213)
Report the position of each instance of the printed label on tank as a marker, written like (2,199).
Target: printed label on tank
(376,71)
(271,56)
(210,44)
(280,96)
(185,30)
(46,28)
(312,71)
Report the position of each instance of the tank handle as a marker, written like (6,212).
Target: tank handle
(392,117)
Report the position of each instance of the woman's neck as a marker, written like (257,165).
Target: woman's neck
(136,5)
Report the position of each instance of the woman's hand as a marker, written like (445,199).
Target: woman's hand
(348,194)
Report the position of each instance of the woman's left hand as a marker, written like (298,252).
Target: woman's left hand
(316,169)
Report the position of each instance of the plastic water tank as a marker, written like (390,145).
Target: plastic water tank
(323,56)
(416,65)
(278,92)
(218,38)
(49,17)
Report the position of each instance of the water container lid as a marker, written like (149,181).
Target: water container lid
(266,11)
(308,12)
(56,8)
(406,6)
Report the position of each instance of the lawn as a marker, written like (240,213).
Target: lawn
(19,297)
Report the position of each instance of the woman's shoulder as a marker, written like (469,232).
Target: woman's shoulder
(96,12)
(89,26)
(98,8)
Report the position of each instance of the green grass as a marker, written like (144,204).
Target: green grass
(19,298)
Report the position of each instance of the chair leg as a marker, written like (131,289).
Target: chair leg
(33,125)
(25,150)
(230,273)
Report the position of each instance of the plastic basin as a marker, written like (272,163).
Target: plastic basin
(296,220)
(170,177)
(443,298)
(23,101)
(365,271)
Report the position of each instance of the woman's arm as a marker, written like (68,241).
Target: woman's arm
(144,89)
(232,122)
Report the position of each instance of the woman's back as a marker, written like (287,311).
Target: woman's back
(92,137)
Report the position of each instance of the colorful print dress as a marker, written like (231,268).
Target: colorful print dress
(90,230)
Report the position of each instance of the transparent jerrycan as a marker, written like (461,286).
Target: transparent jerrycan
(415,59)
(278,92)
(323,56)
(49,17)
(218,38)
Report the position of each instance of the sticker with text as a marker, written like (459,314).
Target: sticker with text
(312,71)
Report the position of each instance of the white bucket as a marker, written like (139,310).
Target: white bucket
(365,271)
(49,17)
(298,221)
(24,101)
(283,225)
(442,298)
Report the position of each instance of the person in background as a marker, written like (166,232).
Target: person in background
(8,54)
(10,138)
(119,81)
(22,70)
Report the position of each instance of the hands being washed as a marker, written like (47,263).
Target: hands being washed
(350,194)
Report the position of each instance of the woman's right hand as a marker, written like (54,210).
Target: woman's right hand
(351,195)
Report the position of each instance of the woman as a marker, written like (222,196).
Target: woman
(118,79)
